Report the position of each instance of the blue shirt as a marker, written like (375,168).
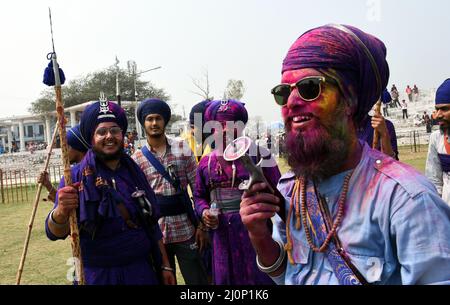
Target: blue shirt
(396,228)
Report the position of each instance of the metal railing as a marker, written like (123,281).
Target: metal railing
(415,139)
(19,185)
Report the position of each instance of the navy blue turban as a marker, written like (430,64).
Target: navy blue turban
(153,106)
(100,112)
(355,59)
(386,97)
(443,93)
(198,108)
(76,140)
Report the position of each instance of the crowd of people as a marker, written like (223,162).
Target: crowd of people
(391,100)
(412,94)
(345,213)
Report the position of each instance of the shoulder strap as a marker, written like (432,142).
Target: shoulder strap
(156,164)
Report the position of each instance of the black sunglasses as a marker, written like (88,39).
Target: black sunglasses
(309,89)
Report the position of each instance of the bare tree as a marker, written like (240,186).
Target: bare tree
(235,90)
(202,86)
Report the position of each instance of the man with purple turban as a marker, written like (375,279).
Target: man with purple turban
(437,168)
(217,181)
(77,148)
(354,215)
(119,235)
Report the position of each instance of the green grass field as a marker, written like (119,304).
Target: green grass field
(46,261)
(415,159)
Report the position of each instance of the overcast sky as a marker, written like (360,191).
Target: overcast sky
(232,39)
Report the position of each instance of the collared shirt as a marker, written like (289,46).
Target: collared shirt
(176,228)
(433,169)
(395,230)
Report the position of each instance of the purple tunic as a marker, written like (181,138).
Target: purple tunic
(117,254)
(234,259)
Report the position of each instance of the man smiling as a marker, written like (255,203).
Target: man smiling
(119,235)
(355,216)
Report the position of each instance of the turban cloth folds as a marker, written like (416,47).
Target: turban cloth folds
(198,108)
(443,93)
(153,106)
(227,110)
(76,140)
(386,97)
(356,60)
(100,112)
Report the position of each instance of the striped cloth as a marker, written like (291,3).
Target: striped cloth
(176,228)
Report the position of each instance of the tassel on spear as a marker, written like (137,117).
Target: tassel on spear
(56,82)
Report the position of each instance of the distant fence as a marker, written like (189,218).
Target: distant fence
(20,184)
(17,185)
(415,139)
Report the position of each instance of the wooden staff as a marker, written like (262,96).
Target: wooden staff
(33,213)
(376,136)
(74,232)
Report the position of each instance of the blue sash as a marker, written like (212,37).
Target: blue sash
(171,205)
(342,267)
(445,162)
(167,204)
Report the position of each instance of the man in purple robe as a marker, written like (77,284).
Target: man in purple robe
(119,235)
(217,181)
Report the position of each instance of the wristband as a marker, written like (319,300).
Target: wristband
(164,268)
(54,223)
(278,262)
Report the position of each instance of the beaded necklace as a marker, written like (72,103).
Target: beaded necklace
(299,195)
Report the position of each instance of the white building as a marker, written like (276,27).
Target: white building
(18,131)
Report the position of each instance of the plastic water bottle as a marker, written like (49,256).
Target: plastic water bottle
(214,211)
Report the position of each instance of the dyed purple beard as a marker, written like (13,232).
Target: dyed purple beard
(318,153)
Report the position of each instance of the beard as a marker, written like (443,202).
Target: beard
(108,157)
(155,134)
(317,153)
(444,128)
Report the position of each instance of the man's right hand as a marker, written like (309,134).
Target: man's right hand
(256,208)
(67,202)
(379,124)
